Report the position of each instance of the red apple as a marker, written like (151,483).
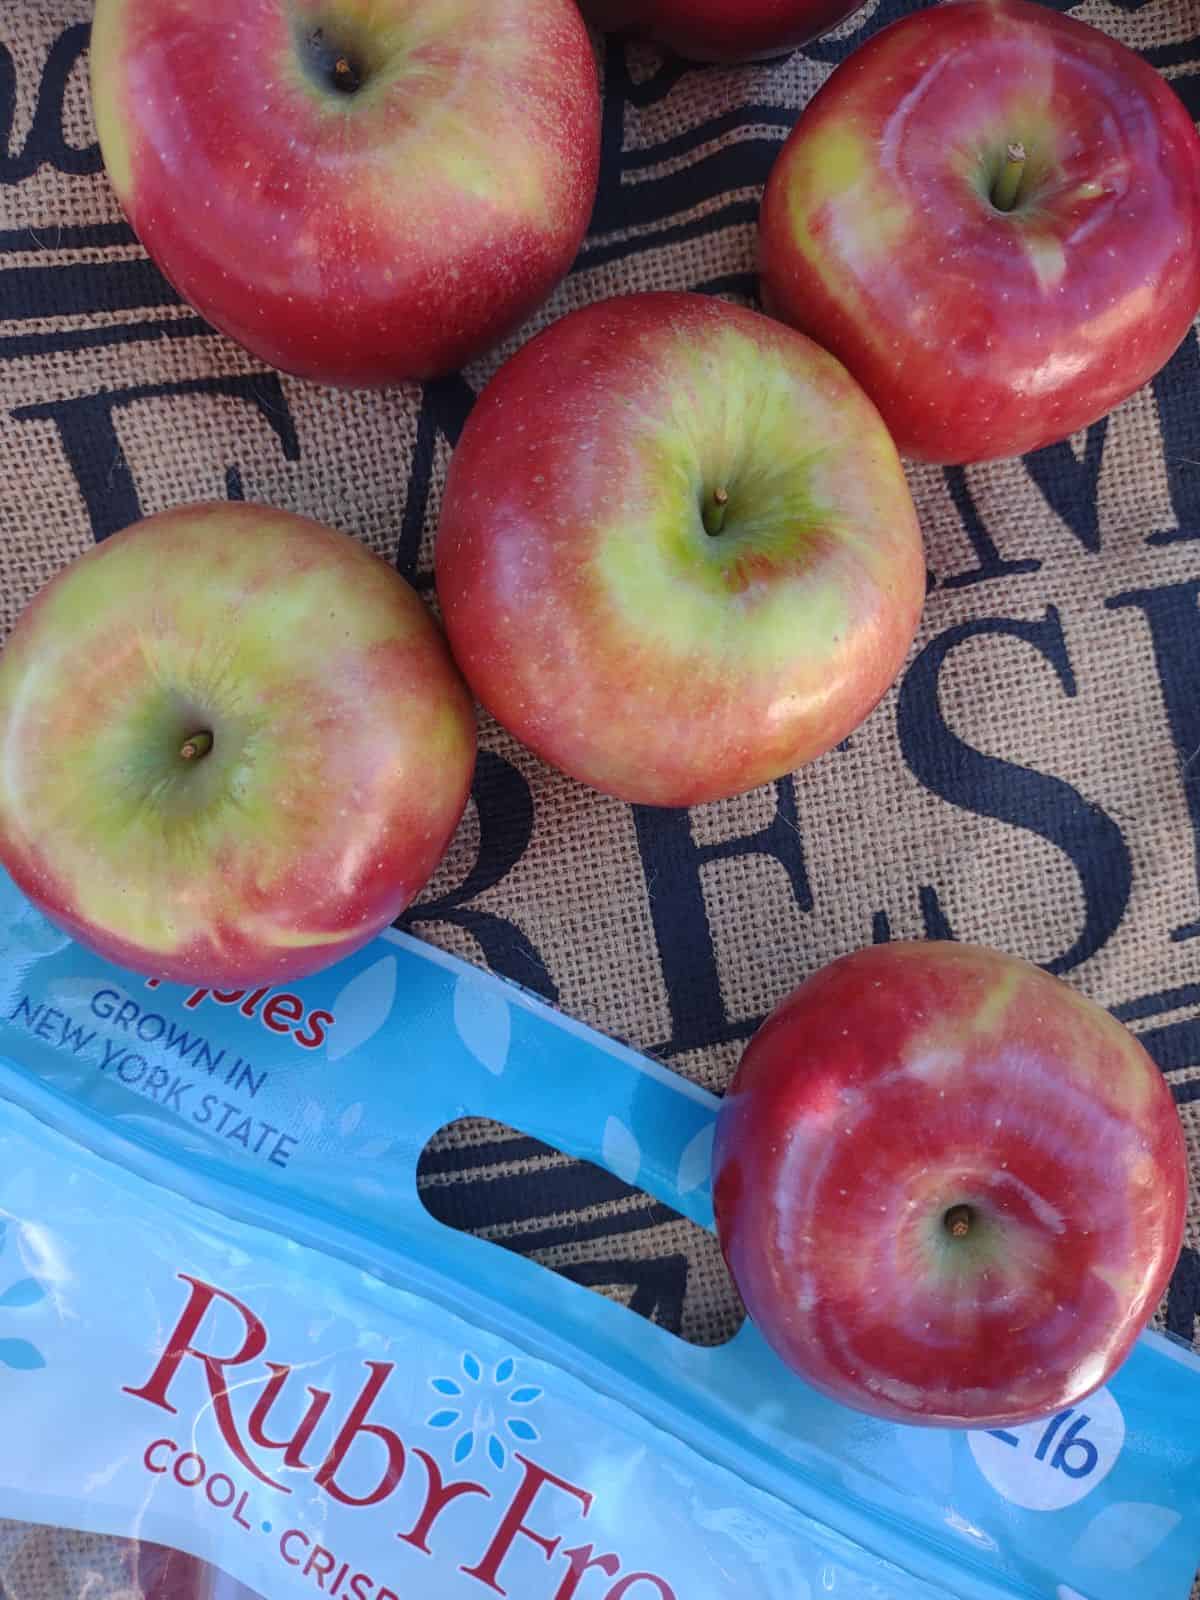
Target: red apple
(162,1573)
(950,1189)
(235,746)
(722,30)
(357,193)
(677,555)
(986,323)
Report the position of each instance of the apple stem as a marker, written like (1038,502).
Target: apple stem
(330,66)
(958,1221)
(1007,187)
(714,514)
(344,75)
(196,745)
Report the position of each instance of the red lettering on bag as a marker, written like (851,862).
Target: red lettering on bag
(354,1426)
(278,1015)
(293,1448)
(583,1560)
(320,1564)
(319,1023)
(292,1533)
(513,1524)
(158,1444)
(363,1466)
(281,1010)
(437,1497)
(156,1390)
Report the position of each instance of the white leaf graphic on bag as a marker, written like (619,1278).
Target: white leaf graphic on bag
(1065,1592)
(483,1022)
(82,991)
(373,1149)
(351,1117)
(362,1008)
(371,1187)
(695,1163)
(621,1152)
(1121,1536)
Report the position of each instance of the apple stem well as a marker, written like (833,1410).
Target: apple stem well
(196,745)
(345,77)
(1006,190)
(713,512)
(333,67)
(958,1221)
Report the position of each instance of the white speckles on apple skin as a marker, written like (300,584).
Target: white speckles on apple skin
(591,519)
(1052,1187)
(1108,290)
(279,897)
(449,212)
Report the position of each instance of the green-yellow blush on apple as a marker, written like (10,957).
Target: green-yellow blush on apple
(235,746)
(677,554)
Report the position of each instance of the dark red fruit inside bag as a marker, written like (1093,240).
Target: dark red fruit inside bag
(164,1574)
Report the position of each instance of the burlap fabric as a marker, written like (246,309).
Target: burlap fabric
(1032,782)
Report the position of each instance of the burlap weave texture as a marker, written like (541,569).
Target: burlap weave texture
(1032,782)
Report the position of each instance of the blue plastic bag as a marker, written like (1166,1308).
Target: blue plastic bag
(229,1328)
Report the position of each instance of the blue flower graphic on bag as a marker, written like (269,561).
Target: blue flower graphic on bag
(483,1407)
(19,1354)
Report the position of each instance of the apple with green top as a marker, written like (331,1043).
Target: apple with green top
(950,1189)
(722,30)
(991,213)
(677,555)
(235,746)
(356,193)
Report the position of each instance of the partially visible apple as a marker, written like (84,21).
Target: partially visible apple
(235,746)
(950,1188)
(677,555)
(163,1573)
(357,193)
(991,213)
(722,30)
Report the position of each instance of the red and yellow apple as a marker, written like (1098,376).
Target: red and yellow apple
(677,555)
(356,193)
(991,213)
(722,30)
(950,1189)
(235,746)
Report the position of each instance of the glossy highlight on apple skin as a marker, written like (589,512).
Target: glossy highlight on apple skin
(722,30)
(332,745)
(981,332)
(358,195)
(677,555)
(902,1092)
